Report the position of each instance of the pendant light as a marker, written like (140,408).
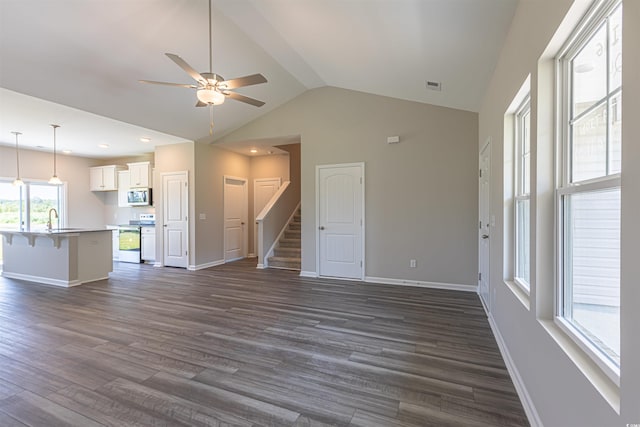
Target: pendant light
(54,179)
(17,182)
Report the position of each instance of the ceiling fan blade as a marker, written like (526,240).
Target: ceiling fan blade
(245,99)
(169,84)
(253,79)
(186,67)
(201,104)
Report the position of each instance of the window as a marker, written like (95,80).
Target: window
(28,206)
(521,197)
(588,194)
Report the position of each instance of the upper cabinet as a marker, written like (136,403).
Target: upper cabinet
(104,178)
(123,187)
(140,175)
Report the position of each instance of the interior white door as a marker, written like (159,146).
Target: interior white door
(341,221)
(484,224)
(175,217)
(235,218)
(263,191)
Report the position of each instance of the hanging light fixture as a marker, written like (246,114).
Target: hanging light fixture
(17,182)
(54,179)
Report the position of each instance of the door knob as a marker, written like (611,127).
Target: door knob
(485,236)
(242,223)
(321,227)
(165,225)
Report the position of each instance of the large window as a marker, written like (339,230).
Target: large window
(27,207)
(589,186)
(521,197)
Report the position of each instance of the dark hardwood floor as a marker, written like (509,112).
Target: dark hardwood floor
(233,345)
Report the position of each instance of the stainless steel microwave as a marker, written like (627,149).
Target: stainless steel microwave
(139,197)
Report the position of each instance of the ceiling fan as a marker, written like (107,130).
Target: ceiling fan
(212,89)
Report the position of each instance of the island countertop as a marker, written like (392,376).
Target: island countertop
(61,257)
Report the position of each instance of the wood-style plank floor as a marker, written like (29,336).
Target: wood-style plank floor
(233,345)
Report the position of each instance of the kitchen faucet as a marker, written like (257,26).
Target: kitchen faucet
(55,212)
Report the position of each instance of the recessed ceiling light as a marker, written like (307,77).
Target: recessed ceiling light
(254,151)
(67,151)
(103,145)
(145,139)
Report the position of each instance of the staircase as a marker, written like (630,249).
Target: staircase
(287,253)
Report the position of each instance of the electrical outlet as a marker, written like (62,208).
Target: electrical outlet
(412,263)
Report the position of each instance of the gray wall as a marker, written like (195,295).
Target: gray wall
(212,164)
(559,383)
(84,208)
(421,194)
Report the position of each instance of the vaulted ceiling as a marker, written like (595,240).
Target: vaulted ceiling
(90,54)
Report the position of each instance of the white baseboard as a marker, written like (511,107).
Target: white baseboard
(308,274)
(205,265)
(252,255)
(421,284)
(525,399)
(158,264)
(261,266)
(45,280)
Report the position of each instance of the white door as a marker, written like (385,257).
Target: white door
(341,221)
(235,218)
(263,191)
(175,217)
(484,224)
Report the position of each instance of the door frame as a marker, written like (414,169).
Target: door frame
(255,214)
(486,303)
(162,233)
(245,237)
(361,165)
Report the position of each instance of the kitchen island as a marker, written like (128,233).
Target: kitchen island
(62,257)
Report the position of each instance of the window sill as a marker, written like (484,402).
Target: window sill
(608,387)
(520,292)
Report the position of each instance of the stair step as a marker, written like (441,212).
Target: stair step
(285,262)
(297,218)
(290,243)
(292,234)
(295,225)
(287,252)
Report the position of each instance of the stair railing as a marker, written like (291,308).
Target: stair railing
(273,220)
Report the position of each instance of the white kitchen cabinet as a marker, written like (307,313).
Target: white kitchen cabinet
(148,243)
(104,178)
(123,187)
(140,175)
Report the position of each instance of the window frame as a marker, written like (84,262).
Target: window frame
(518,189)
(25,197)
(582,35)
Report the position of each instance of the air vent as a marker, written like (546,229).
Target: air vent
(434,85)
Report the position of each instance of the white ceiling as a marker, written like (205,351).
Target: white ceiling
(90,54)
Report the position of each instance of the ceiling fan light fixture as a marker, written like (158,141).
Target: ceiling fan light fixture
(210,96)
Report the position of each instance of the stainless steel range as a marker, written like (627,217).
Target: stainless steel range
(129,241)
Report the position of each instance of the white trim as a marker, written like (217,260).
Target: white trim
(261,266)
(206,265)
(311,274)
(158,264)
(251,255)
(47,280)
(277,239)
(521,389)
(591,350)
(421,284)
(361,165)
